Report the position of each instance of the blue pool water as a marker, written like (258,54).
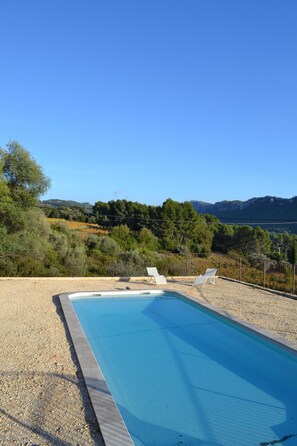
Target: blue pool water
(183,376)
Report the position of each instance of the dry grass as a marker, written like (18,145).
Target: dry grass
(80,228)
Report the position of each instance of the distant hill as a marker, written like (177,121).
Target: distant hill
(271,213)
(54,203)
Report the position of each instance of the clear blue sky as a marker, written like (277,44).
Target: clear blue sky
(151,99)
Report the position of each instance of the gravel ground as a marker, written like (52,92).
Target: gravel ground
(43,397)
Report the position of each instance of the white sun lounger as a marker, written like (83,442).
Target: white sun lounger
(209,275)
(153,272)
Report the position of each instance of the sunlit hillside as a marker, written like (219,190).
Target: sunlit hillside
(80,228)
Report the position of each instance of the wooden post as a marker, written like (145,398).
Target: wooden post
(240,269)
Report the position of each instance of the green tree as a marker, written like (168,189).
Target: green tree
(23,176)
(251,241)
(122,212)
(147,239)
(292,252)
(70,251)
(292,257)
(23,252)
(104,244)
(263,240)
(182,227)
(123,236)
(223,239)
(24,232)
(101,212)
(202,240)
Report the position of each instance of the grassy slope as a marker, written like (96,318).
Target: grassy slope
(80,228)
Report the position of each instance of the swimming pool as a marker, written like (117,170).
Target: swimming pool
(180,373)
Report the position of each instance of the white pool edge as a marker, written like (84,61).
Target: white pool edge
(111,423)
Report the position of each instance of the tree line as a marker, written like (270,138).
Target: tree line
(177,227)
(139,234)
(28,245)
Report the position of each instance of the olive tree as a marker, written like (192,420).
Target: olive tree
(22,175)
(23,229)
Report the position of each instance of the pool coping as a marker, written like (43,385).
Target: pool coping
(111,423)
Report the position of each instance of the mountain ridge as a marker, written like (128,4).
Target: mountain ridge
(256,208)
(272,213)
(57,203)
